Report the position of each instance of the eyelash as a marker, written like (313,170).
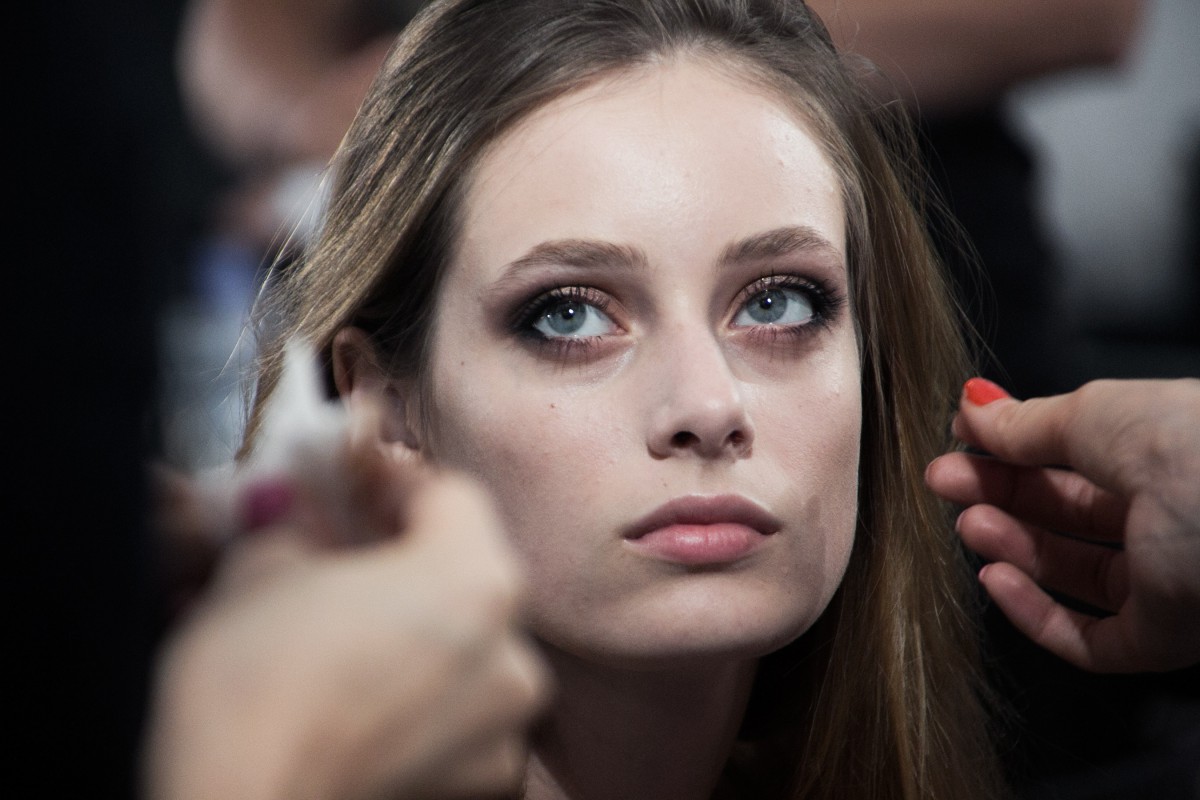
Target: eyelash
(826,303)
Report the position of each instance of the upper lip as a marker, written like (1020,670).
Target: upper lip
(706,510)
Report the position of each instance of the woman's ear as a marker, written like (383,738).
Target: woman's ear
(369,392)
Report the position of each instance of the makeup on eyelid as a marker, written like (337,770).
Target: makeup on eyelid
(772,301)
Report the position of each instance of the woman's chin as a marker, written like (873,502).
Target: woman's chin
(682,631)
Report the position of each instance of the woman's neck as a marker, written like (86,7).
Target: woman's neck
(631,734)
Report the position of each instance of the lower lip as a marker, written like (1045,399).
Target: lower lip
(694,545)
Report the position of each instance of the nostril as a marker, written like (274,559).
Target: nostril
(737,438)
(684,439)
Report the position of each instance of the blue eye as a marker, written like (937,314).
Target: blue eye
(778,305)
(569,318)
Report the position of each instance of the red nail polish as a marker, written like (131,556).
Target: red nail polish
(265,503)
(981,391)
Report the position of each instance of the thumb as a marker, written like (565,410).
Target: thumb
(1034,432)
(1092,430)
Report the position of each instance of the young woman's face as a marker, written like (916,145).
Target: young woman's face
(644,348)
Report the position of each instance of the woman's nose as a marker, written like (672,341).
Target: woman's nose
(700,409)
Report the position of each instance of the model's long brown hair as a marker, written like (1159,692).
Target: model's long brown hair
(881,699)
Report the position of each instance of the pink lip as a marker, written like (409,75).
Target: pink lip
(699,530)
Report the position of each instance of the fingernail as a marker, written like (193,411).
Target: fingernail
(981,391)
(265,503)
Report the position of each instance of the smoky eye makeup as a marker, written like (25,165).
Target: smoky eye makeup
(564,319)
(577,320)
(786,305)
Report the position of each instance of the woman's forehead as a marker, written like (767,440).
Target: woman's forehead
(675,154)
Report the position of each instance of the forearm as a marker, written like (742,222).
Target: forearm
(276,80)
(945,54)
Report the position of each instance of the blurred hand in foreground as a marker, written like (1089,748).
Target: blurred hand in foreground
(367,650)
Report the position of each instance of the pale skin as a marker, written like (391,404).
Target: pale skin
(666,202)
(1133,453)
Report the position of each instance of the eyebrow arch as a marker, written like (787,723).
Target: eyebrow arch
(780,242)
(584,253)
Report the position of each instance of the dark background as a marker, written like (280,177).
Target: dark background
(116,190)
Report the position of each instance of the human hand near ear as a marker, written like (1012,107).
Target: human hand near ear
(381,661)
(1093,494)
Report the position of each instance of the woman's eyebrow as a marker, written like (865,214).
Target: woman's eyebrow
(584,253)
(590,253)
(780,242)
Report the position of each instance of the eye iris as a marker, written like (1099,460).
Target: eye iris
(768,307)
(566,318)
